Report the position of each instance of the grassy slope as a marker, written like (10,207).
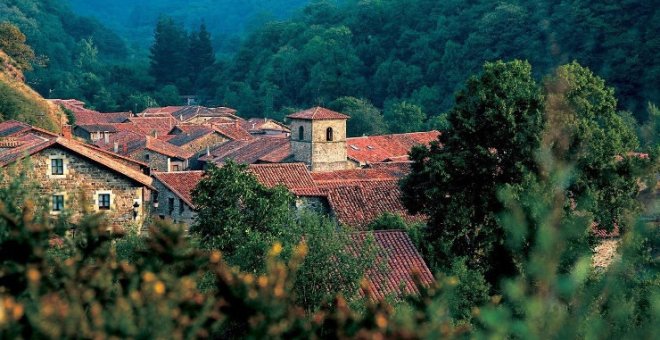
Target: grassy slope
(20,102)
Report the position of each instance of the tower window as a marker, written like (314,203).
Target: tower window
(329,135)
(301,133)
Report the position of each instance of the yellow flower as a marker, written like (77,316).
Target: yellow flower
(216,256)
(33,275)
(381,321)
(276,250)
(159,288)
(148,277)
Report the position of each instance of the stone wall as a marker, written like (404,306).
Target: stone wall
(200,144)
(81,184)
(315,150)
(181,212)
(158,162)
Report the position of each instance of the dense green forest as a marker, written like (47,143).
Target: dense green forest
(227,19)
(389,61)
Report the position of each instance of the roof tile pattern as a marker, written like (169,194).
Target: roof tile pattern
(395,147)
(294,176)
(266,149)
(318,113)
(396,263)
(181,183)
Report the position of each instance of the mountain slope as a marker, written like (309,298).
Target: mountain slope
(20,102)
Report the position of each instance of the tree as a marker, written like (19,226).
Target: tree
(496,130)
(239,216)
(169,53)
(585,129)
(404,117)
(366,119)
(201,55)
(12,42)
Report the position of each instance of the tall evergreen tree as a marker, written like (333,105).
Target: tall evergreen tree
(201,55)
(169,53)
(497,124)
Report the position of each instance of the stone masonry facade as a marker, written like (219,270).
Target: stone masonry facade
(82,184)
(315,150)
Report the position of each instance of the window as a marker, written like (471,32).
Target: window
(104,201)
(329,135)
(301,133)
(170,205)
(175,167)
(146,157)
(58,203)
(181,206)
(57,166)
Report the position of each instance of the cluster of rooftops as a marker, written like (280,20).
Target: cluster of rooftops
(169,147)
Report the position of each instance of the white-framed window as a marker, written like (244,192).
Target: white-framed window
(58,166)
(103,200)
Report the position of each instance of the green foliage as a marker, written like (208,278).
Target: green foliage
(12,42)
(404,117)
(496,130)
(239,216)
(365,119)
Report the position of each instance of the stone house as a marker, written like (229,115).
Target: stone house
(76,178)
(158,154)
(174,198)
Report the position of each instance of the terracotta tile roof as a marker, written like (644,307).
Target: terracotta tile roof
(189,133)
(396,263)
(181,183)
(266,149)
(317,113)
(159,126)
(129,142)
(86,116)
(27,145)
(393,147)
(353,175)
(98,127)
(258,125)
(186,113)
(13,127)
(40,143)
(232,130)
(358,203)
(294,176)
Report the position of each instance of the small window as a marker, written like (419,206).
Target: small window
(181,206)
(175,167)
(146,157)
(58,203)
(301,133)
(57,166)
(170,205)
(104,201)
(329,136)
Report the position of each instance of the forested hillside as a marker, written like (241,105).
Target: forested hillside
(421,51)
(135,20)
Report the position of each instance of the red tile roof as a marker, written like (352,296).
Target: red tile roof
(159,126)
(396,263)
(266,149)
(232,130)
(129,142)
(393,147)
(15,128)
(181,183)
(186,113)
(317,113)
(294,176)
(38,143)
(86,116)
(258,125)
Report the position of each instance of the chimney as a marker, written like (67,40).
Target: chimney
(208,151)
(181,117)
(67,131)
(106,138)
(116,147)
(155,133)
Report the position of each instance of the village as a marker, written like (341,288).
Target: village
(137,167)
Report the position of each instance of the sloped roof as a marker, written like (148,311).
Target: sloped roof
(358,203)
(181,183)
(394,147)
(317,113)
(397,261)
(40,143)
(189,133)
(232,130)
(294,176)
(130,142)
(266,149)
(256,125)
(13,127)
(148,125)
(185,113)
